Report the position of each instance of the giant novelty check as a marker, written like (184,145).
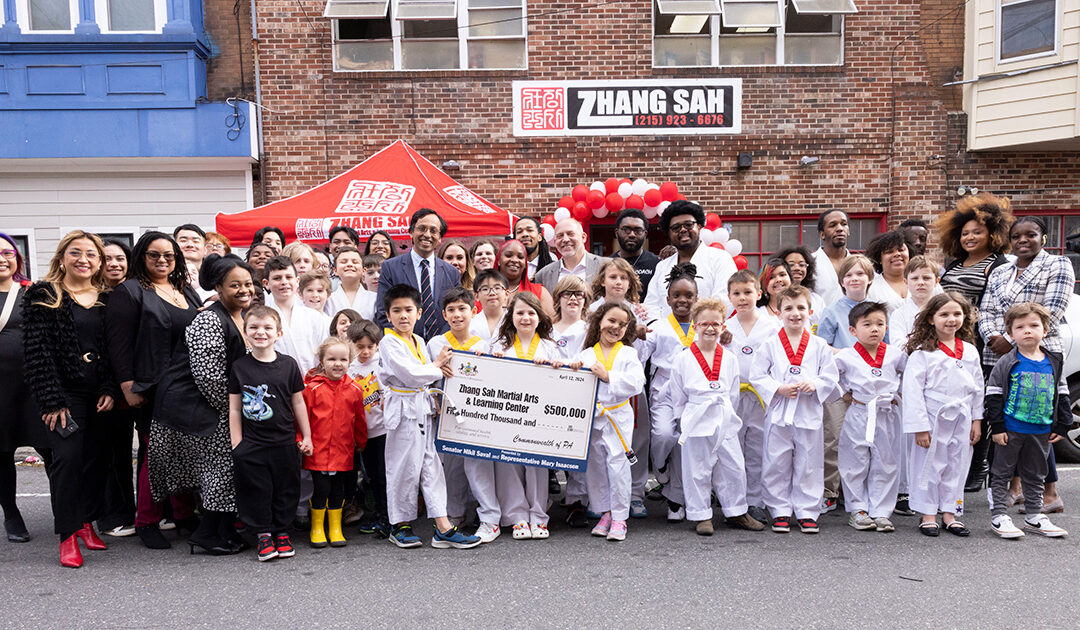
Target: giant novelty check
(513,411)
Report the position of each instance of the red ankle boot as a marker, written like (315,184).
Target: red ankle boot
(70,556)
(90,537)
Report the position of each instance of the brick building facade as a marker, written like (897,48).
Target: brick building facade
(890,137)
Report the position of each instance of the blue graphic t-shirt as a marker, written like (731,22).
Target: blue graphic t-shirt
(1029,407)
(266,390)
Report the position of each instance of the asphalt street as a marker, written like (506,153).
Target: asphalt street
(663,575)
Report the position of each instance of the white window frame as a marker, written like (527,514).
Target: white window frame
(463,37)
(326,11)
(101,10)
(22,17)
(714,47)
(998,41)
(134,232)
(672,11)
(456,14)
(30,260)
(851,10)
(780,5)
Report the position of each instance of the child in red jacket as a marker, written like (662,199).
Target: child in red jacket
(335,407)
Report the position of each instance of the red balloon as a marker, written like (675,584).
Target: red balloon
(669,191)
(712,221)
(614,202)
(717,245)
(567,202)
(550,220)
(580,192)
(595,199)
(611,185)
(680,197)
(634,201)
(653,197)
(741,262)
(581,211)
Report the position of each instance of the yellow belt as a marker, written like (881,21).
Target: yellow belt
(604,410)
(405,391)
(747,387)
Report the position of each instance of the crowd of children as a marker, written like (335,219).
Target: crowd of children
(744,398)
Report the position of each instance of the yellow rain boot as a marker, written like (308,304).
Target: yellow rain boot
(318,531)
(337,538)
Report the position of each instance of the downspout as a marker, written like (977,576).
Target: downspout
(258,103)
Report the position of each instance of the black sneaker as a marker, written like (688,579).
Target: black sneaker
(576,517)
(267,549)
(368,527)
(808,526)
(284,546)
(554,487)
(903,508)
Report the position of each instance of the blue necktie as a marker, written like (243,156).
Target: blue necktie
(427,300)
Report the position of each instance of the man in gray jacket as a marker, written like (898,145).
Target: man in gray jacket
(576,260)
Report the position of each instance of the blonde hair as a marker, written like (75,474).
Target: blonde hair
(293,249)
(634,288)
(328,343)
(708,304)
(56,273)
(564,285)
(849,263)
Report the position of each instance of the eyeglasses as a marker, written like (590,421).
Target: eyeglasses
(704,325)
(580,295)
(216,247)
(687,226)
(10,254)
(421,229)
(490,290)
(629,231)
(797,265)
(168,256)
(76,254)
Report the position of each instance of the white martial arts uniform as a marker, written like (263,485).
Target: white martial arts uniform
(412,464)
(749,406)
(881,291)
(869,449)
(608,474)
(568,343)
(523,490)
(479,327)
(944,396)
(826,280)
(793,463)
(712,459)
(901,321)
(363,302)
(662,346)
(457,481)
(302,334)
(714,267)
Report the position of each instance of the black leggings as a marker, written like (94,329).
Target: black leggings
(76,466)
(7,484)
(329,490)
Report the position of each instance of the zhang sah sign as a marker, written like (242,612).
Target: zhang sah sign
(640,107)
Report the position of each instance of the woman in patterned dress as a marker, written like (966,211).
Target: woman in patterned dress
(974,237)
(189,433)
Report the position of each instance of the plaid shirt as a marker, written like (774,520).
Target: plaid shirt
(1048,280)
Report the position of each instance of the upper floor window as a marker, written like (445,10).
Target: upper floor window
(427,34)
(112,16)
(48,16)
(1028,27)
(749,32)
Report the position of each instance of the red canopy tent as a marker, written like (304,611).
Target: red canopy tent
(380,193)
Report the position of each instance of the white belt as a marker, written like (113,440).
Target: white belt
(873,407)
(952,409)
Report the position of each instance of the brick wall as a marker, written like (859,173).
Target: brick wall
(232,52)
(877,123)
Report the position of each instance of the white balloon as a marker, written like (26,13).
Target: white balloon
(549,232)
(639,186)
(651,212)
(600,212)
(598,186)
(626,189)
(562,213)
(653,187)
(722,235)
(663,205)
(707,237)
(733,247)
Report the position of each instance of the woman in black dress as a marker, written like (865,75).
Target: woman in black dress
(144,322)
(66,368)
(190,448)
(20,424)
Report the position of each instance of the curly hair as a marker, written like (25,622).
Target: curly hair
(811,267)
(923,335)
(679,208)
(507,330)
(592,336)
(887,242)
(990,211)
(633,283)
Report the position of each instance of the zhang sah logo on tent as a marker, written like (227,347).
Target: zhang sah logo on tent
(382,197)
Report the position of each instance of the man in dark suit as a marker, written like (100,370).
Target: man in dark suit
(423,271)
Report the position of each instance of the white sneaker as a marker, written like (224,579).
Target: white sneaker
(539,531)
(883,524)
(861,521)
(676,516)
(1040,524)
(1003,527)
(120,531)
(522,531)
(487,532)
(165,525)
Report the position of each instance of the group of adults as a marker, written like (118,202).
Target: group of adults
(115,341)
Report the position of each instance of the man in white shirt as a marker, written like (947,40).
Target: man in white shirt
(303,329)
(576,260)
(192,241)
(682,221)
(528,231)
(833,230)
